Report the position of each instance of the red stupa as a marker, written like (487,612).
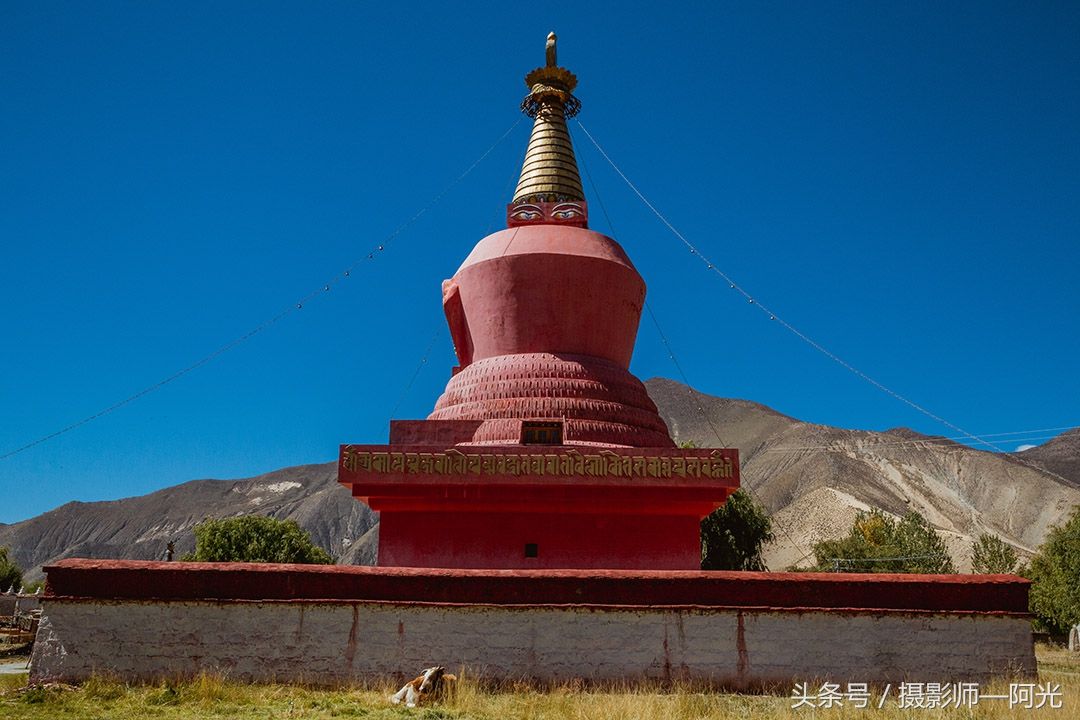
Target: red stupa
(543,451)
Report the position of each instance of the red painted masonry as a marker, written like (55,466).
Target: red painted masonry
(483,506)
(224,582)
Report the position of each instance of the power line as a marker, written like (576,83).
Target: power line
(695,396)
(847,563)
(884,559)
(416,372)
(266,324)
(795,331)
(712,426)
(933,441)
(1025,432)
(663,338)
(682,374)
(500,212)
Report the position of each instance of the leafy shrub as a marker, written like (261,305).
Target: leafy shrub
(878,542)
(733,535)
(253,538)
(990,554)
(1055,576)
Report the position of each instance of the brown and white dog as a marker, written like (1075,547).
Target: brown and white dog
(430,685)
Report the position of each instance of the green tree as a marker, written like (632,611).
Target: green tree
(878,542)
(733,535)
(990,554)
(10,573)
(1055,576)
(253,538)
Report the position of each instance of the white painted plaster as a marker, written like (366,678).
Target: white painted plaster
(339,642)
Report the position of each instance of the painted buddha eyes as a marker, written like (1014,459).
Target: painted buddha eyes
(572,213)
(567,211)
(528,212)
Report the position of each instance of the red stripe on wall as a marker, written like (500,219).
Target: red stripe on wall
(137,580)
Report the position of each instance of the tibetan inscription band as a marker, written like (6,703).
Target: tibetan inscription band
(717,464)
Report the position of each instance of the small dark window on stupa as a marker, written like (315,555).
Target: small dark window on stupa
(534,432)
(531,550)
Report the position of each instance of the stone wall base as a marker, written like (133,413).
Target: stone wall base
(334,641)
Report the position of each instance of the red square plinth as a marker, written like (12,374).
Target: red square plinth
(539,506)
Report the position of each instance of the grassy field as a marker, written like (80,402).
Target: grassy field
(212,697)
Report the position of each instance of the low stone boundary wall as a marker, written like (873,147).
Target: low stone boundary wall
(339,624)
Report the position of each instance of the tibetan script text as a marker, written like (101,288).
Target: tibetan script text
(452,462)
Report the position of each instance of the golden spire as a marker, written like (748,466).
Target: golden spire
(550,172)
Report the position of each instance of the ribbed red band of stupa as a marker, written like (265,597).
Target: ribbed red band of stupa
(599,402)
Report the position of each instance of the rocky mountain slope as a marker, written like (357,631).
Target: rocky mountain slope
(1060,455)
(812,478)
(140,527)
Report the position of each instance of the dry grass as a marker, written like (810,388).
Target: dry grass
(210,696)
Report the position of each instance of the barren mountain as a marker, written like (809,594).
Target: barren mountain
(140,527)
(1061,455)
(811,478)
(814,478)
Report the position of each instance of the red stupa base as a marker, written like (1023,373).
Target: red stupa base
(542,540)
(537,506)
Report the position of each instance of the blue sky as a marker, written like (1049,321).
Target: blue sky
(899,181)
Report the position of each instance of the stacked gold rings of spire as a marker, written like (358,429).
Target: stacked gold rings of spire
(550,171)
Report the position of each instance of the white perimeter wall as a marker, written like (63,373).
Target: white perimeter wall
(339,642)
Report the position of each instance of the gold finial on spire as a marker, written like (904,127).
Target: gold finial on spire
(550,82)
(550,171)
